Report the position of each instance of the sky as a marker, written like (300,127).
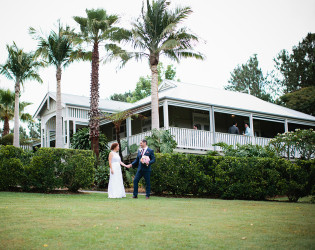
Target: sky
(231,31)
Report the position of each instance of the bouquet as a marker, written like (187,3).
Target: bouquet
(145,160)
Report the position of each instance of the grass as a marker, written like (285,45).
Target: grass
(91,221)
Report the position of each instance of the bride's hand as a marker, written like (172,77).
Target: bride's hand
(112,171)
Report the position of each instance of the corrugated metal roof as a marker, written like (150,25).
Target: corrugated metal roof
(84,101)
(223,98)
(194,93)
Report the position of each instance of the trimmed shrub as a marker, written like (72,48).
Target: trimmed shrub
(250,178)
(6,140)
(11,166)
(78,171)
(44,171)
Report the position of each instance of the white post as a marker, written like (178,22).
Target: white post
(42,134)
(74,127)
(165,115)
(251,126)
(64,132)
(68,133)
(128,130)
(212,124)
(48,138)
(41,138)
(45,135)
(286,126)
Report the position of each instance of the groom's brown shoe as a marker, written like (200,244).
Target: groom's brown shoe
(134,197)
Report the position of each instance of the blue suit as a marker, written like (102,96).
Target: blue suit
(143,171)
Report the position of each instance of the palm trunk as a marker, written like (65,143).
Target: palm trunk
(154,98)
(117,129)
(6,126)
(16,138)
(59,140)
(94,100)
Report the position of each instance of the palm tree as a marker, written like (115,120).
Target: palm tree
(7,110)
(58,50)
(20,66)
(97,28)
(156,33)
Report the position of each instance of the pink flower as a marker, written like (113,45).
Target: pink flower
(145,160)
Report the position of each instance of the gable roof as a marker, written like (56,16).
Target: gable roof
(192,93)
(201,94)
(84,101)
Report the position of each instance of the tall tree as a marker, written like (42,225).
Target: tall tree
(249,78)
(298,68)
(7,99)
(156,32)
(97,28)
(57,49)
(143,87)
(302,100)
(20,67)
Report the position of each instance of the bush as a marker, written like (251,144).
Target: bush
(247,150)
(161,141)
(78,171)
(302,141)
(7,140)
(44,171)
(102,176)
(12,160)
(81,140)
(250,178)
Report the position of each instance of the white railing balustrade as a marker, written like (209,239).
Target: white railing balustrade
(232,139)
(200,139)
(192,139)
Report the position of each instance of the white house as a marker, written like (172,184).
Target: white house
(181,106)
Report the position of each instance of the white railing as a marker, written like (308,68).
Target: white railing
(231,139)
(192,139)
(200,139)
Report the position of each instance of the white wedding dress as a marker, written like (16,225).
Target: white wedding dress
(116,185)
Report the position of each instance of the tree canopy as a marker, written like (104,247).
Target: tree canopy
(143,87)
(298,67)
(249,78)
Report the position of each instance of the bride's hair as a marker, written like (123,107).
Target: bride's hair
(113,146)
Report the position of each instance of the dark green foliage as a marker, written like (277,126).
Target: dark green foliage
(46,169)
(6,140)
(250,178)
(11,168)
(143,87)
(102,176)
(81,140)
(247,150)
(302,100)
(248,78)
(298,67)
(161,141)
(78,172)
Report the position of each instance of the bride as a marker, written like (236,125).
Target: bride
(116,185)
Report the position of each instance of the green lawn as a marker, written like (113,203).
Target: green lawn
(92,221)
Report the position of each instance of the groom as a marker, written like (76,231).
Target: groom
(144,170)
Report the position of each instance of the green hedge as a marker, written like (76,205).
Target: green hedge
(46,169)
(250,178)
